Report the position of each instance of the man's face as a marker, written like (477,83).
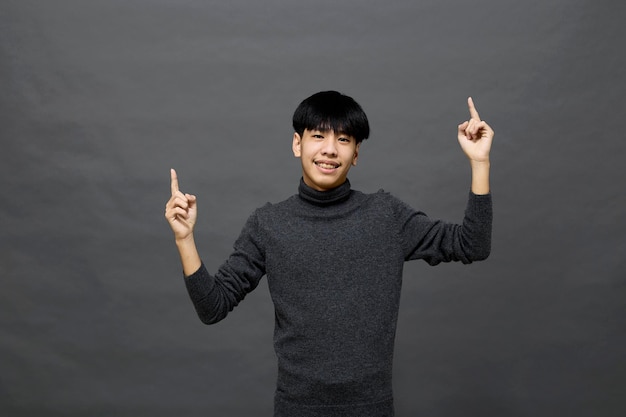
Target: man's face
(326,157)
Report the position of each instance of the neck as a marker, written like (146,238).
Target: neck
(324,198)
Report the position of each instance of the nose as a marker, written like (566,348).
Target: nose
(330,146)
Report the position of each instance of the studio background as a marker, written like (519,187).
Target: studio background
(99,99)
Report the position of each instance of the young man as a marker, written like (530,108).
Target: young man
(333,258)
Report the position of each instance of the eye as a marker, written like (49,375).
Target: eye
(344,139)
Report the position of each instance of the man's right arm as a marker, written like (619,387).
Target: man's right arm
(213,296)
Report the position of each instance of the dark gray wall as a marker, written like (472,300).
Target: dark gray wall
(98,99)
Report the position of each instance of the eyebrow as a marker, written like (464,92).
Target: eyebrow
(340,133)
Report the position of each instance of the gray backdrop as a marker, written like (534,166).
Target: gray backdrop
(98,99)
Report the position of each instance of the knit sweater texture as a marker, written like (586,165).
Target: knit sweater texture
(334,261)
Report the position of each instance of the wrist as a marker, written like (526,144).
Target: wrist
(185,241)
(480,164)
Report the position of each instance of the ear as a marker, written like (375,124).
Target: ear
(356,154)
(296,146)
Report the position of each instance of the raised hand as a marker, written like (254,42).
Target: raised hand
(181,210)
(475,136)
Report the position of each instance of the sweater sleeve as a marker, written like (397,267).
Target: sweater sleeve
(214,296)
(436,241)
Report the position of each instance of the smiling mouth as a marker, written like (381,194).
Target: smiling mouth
(327,165)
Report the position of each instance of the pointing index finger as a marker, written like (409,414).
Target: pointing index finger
(472,109)
(174,178)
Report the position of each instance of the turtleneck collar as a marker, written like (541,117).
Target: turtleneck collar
(324,198)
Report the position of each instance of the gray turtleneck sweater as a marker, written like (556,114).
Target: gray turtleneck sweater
(334,263)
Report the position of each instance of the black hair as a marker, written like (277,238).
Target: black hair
(331,110)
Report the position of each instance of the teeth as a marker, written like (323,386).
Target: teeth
(327,166)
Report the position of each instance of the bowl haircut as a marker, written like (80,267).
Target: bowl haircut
(331,111)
